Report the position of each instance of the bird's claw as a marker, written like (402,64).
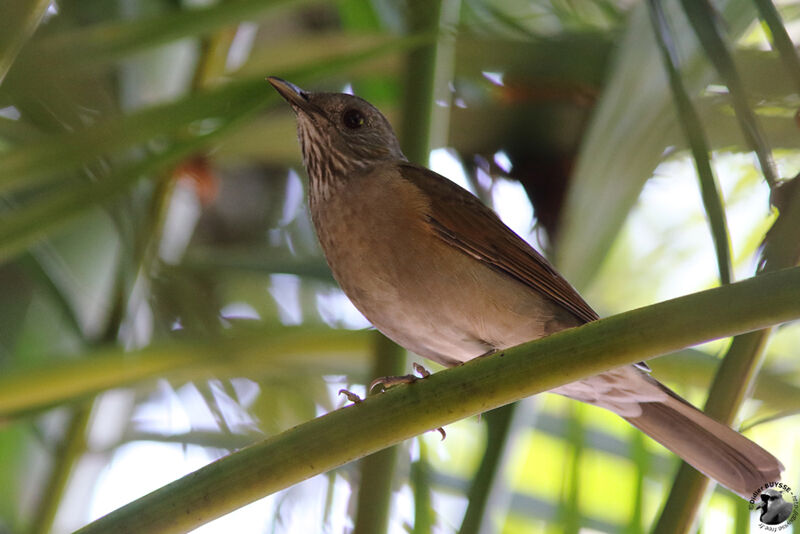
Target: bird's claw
(388,381)
(352,397)
(423,373)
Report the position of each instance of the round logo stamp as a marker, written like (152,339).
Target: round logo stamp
(776,505)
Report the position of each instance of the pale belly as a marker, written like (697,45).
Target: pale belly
(439,302)
(419,291)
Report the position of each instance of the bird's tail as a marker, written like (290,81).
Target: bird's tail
(712,448)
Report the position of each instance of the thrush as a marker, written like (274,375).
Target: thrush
(437,271)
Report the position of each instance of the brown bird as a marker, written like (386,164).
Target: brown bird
(438,272)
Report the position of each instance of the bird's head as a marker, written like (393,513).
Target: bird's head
(339,133)
(770,495)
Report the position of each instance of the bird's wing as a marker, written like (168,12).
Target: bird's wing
(462,221)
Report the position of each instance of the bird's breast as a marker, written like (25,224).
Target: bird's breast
(424,294)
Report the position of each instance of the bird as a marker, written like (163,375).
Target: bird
(774,509)
(438,272)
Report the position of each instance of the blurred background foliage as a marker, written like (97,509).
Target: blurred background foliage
(163,299)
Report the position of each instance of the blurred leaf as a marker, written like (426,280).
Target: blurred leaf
(780,39)
(707,27)
(20,19)
(109,41)
(272,352)
(201,112)
(217,260)
(358,14)
(696,369)
(29,164)
(15,453)
(693,130)
(25,226)
(630,129)
(222,109)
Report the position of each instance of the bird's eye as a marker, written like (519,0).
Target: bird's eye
(353,119)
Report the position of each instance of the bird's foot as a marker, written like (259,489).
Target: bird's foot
(352,397)
(389,381)
(386,382)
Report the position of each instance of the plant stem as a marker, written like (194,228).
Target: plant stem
(377,470)
(477,386)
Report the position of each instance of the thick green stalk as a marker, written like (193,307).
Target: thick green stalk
(424,516)
(477,386)
(377,470)
(477,519)
(423,17)
(415,131)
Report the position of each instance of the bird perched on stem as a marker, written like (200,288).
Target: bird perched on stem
(438,272)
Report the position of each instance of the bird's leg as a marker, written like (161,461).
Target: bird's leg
(352,397)
(388,381)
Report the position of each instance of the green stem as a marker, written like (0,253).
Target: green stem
(735,376)
(569,509)
(475,387)
(741,520)
(693,130)
(704,21)
(485,485)
(421,482)
(415,130)
(377,470)
(272,350)
(641,459)
(780,38)
(73,446)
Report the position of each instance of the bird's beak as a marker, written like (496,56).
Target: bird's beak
(289,91)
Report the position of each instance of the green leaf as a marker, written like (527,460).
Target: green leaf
(108,41)
(706,25)
(271,351)
(780,39)
(18,23)
(632,125)
(693,130)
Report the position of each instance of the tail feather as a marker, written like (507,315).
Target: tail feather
(712,448)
